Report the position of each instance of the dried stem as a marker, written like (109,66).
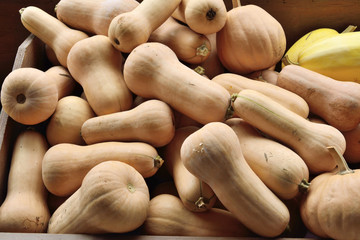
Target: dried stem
(236,3)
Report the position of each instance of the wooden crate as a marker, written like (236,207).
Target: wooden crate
(297,18)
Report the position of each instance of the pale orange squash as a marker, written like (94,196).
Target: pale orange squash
(151,122)
(65,164)
(213,154)
(25,207)
(54,33)
(164,77)
(100,74)
(29,96)
(113,197)
(251,40)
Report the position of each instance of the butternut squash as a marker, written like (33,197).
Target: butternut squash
(189,46)
(167,216)
(196,195)
(337,102)
(234,83)
(329,209)
(308,139)
(65,165)
(130,29)
(66,84)
(92,16)
(283,171)
(51,31)
(214,155)
(25,206)
(251,40)
(151,122)
(65,124)
(100,74)
(202,16)
(113,197)
(164,77)
(28,95)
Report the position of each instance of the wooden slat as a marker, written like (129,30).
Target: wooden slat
(31,53)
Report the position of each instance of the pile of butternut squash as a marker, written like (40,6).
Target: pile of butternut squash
(172,118)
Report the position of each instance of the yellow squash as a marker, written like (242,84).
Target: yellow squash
(337,57)
(317,35)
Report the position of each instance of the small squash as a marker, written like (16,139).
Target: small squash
(151,122)
(308,139)
(164,77)
(337,102)
(63,79)
(100,74)
(65,165)
(29,96)
(234,83)
(213,154)
(202,16)
(25,207)
(251,40)
(113,198)
(92,16)
(130,29)
(330,208)
(283,171)
(189,46)
(167,216)
(196,195)
(65,124)
(51,31)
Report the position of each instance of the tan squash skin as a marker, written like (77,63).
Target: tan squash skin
(352,151)
(65,165)
(329,209)
(308,139)
(337,102)
(100,74)
(164,77)
(151,122)
(283,171)
(51,31)
(65,124)
(234,83)
(167,216)
(212,66)
(130,29)
(29,96)
(251,40)
(63,79)
(202,16)
(92,16)
(113,197)
(189,46)
(213,154)
(196,195)
(267,75)
(25,206)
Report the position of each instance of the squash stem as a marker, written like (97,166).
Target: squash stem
(158,161)
(21,10)
(200,70)
(236,3)
(200,203)
(350,28)
(286,61)
(342,166)
(230,109)
(303,186)
(202,50)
